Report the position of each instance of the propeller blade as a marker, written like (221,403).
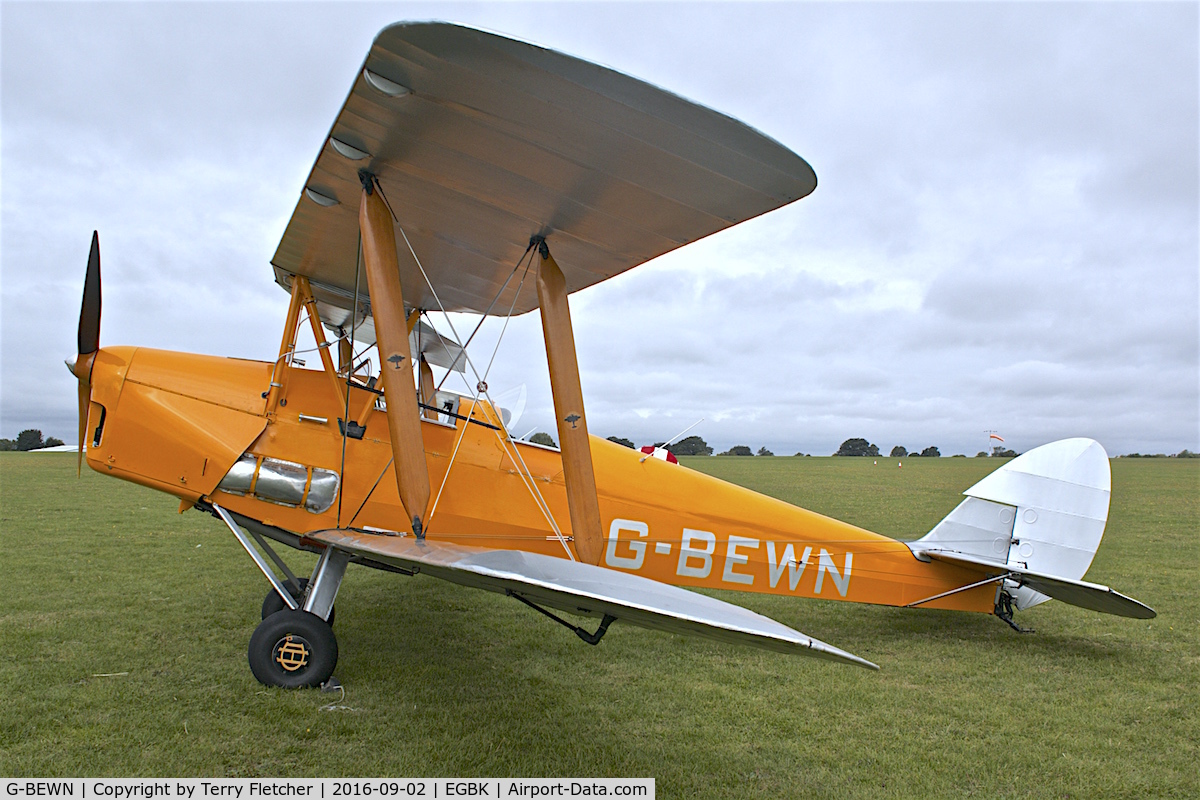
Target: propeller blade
(89,341)
(89,313)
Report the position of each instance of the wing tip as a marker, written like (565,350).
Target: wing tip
(832,653)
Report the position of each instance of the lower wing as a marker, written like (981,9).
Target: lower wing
(584,589)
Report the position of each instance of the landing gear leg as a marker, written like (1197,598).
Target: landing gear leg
(1004,610)
(296,648)
(273,603)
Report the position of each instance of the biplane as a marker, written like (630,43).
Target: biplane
(469,172)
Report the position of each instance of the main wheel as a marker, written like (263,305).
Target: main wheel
(273,603)
(293,649)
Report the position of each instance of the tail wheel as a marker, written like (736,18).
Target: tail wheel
(293,649)
(273,603)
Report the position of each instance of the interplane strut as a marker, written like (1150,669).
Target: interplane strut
(568,409)
(391,330)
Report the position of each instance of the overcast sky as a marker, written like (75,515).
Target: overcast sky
(1004,235)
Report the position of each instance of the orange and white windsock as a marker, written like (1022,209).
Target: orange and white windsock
(996,437)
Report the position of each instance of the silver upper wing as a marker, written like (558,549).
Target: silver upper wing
(481,142)
(578,588)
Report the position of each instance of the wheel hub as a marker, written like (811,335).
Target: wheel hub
(291,652)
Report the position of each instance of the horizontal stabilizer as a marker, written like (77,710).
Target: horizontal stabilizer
(1078,593)
(578,588)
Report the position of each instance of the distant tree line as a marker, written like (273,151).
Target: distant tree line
(30,439)
(691,446)
(743,450)
(695,446)
(861,447)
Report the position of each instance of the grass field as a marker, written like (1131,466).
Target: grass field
(103,577)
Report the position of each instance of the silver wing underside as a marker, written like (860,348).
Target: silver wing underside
(586,590)
(486,141)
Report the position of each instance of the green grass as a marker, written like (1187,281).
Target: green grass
(102,576)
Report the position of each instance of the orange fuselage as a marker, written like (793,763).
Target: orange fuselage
(178,422)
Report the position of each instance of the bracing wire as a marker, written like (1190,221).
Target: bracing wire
(363,504)
(516,457)
(483,317)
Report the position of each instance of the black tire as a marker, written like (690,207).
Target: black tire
(273,603)
(293,649)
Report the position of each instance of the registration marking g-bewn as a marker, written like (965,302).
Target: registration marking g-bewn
(697,549)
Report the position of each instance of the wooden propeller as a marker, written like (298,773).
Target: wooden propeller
(88,340)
